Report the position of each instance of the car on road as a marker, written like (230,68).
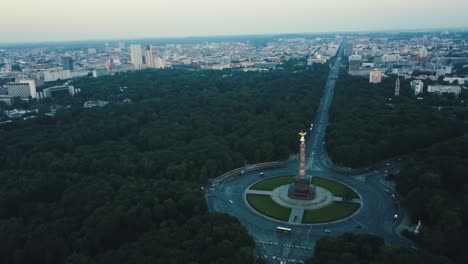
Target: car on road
(327,230)
(395,217)
(261,174)
(230,201)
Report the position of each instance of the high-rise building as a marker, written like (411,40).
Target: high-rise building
(23,89)
(159,63)
(354,62)
(375,76)
(136,54)
(397,87)
(349,48)
(149,61)
(67,63)
(422,53)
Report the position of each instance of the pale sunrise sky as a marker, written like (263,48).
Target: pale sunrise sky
(56,20)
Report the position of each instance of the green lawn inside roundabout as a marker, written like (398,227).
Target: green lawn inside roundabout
(333,212)
(265,205)
(346,201)
(272,183)
(338,189)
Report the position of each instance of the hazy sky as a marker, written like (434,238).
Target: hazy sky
(47,20)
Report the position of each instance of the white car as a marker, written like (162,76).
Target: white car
(230,201)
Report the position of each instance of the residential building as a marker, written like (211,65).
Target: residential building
(159,63)
(456,89)
(391,57)
(375,76)
(50,76)
(67,63)
(22,89)
(422,53)
(349,48)
(355,62)
(136,55)
(417,86)
(457,79)
(93,104)
(7,99)
(54,91)
(149,61)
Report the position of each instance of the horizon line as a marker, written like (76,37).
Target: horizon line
(415,30)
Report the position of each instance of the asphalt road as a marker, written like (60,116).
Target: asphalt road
(376,216)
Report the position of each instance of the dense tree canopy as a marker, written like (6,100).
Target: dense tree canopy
(120,184)
(366,249)
(368,123)
(434,184)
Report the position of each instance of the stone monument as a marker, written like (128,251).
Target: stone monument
(301,188)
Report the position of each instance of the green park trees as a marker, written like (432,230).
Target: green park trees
(368,123)
(120,184)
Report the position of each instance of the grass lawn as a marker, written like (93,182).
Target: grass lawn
(336,188)
(265,205)
(335,211)
(272,183)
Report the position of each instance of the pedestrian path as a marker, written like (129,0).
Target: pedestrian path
(296,215)
(249,191)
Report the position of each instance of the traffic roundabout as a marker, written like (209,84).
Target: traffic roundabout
(333,201)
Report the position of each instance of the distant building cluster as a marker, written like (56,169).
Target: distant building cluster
(427,57)
(145,57)
(50,64)
(26,89)
(433,53)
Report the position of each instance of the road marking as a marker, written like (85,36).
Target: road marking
(359,223)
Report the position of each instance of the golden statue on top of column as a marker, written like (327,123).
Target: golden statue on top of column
(302,134)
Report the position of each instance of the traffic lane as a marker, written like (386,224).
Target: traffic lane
(377,209)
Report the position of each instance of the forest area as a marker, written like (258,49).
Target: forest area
(434,185)
(368,123)
(121,184)
(367,249)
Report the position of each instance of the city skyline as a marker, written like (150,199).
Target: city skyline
(108,19)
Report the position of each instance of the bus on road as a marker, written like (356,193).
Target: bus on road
(283,230)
